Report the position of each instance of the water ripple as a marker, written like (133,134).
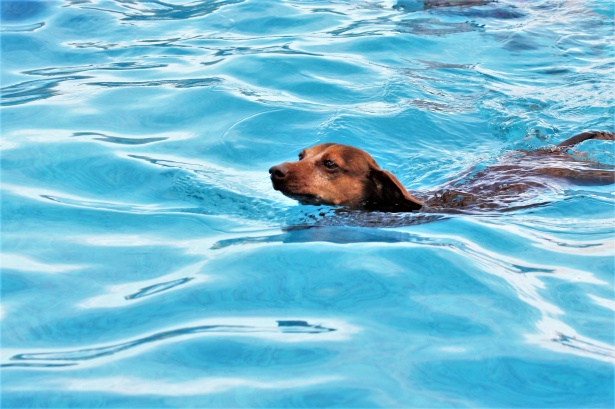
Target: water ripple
(160,10)
(184,83)
(8,28)
(119,139)
(30,91)
(135,386)
(587,347)
(157,288)
(283,49)
(121,66)
(296,327)
(123,207)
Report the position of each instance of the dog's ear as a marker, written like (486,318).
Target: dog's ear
(389,194)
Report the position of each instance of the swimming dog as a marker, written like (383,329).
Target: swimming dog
(341,175)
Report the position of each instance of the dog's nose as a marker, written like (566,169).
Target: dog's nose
(278,172)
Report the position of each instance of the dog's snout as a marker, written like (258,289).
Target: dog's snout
(278,172)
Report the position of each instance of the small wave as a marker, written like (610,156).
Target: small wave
(185,83)
(118,139)
(296,327)
(585,346)
(138,386)
(159,10)
(283,49)
(108,206)
(36,365)
(21,28)
(168,11)
(211,188)
(123,66)
(157,288)
(30,91)
(173,43)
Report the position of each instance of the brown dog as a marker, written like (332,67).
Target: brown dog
(341,175)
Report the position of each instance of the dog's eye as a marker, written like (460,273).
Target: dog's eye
(329,164)
(301,156)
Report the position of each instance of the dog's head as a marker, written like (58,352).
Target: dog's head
(341,175)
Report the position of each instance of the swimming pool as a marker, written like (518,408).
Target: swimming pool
(147,262)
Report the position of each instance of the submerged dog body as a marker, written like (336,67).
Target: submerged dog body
(341,175)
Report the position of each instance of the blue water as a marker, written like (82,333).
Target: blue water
(147,262)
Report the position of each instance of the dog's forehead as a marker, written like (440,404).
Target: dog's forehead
(318,149)
(344,152)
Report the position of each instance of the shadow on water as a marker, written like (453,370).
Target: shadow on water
(329,234)
(310,224)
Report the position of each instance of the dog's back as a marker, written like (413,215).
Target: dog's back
(520,175)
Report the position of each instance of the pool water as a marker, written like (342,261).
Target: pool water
(147,262)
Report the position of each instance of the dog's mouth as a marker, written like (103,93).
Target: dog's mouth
(291,192)
(303,198)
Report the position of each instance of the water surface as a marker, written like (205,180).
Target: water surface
(147,262)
